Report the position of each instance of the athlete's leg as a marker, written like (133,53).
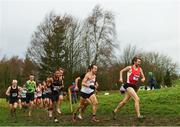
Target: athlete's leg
(123,102)
(20,103)
(50,107)
(82,110)
(60,100)
(94,102)
(82,101)
(31,104)
(14,108)
(55,105)
(11,109)
(134,95)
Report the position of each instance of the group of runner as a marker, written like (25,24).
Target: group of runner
(50,92)
(31,95)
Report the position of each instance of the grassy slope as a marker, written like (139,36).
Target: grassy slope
(161,107)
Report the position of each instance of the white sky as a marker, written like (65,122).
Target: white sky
(151,25)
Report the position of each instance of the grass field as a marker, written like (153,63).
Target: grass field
(161,107)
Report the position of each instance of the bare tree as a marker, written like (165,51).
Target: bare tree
(47,48)
(159,64)
(57,42)
(128,53)
(73,45)
(99,37)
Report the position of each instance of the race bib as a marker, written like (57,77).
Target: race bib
(56,88)
(14,94)
(91,81)
(135,78)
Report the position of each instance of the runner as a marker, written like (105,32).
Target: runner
(49,95)
(133,73)
(23,97)
(19,101)
(13,92)
(80,78)
(30,86)
(87,93)
(44,95)
(61,83)
(39,95)
(56,92)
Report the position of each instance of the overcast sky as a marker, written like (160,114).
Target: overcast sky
(151,25)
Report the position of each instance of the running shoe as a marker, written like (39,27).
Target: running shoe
(141,117)
(58,110)
(79,116)
(55,120)
(94,119)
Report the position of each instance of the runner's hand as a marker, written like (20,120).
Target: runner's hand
(121,80)
(76,89)
(143,79)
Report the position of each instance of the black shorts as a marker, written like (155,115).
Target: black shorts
(135,87)
(29,97)
(13,100)
(86,95)
(55,97)
(23,99)
(49,95)
(39,97)
(60,93)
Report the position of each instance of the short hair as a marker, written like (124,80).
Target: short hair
(14,81)
(91,66)
(135,59)
(60,68)
(49,79)
(31,74)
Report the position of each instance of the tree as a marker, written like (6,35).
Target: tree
(151,62)
(74,47)
(167,79)
(10,69)
(99,37)
(28,68)
(48,49)
(57,43)
(128,53)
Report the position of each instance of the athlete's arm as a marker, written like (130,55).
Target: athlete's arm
(142,75)
(121,73)
(20,89)
(96,84)
(35,84)
(62,83)
(8,91)
(76,83)
(85,80)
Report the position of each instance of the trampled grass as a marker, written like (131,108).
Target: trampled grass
(161,107)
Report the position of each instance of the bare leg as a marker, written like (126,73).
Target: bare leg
(94,107)
(81,105)
(59,104)
(134,95)
(123,102)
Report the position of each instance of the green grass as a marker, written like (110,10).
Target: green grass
(161,107)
